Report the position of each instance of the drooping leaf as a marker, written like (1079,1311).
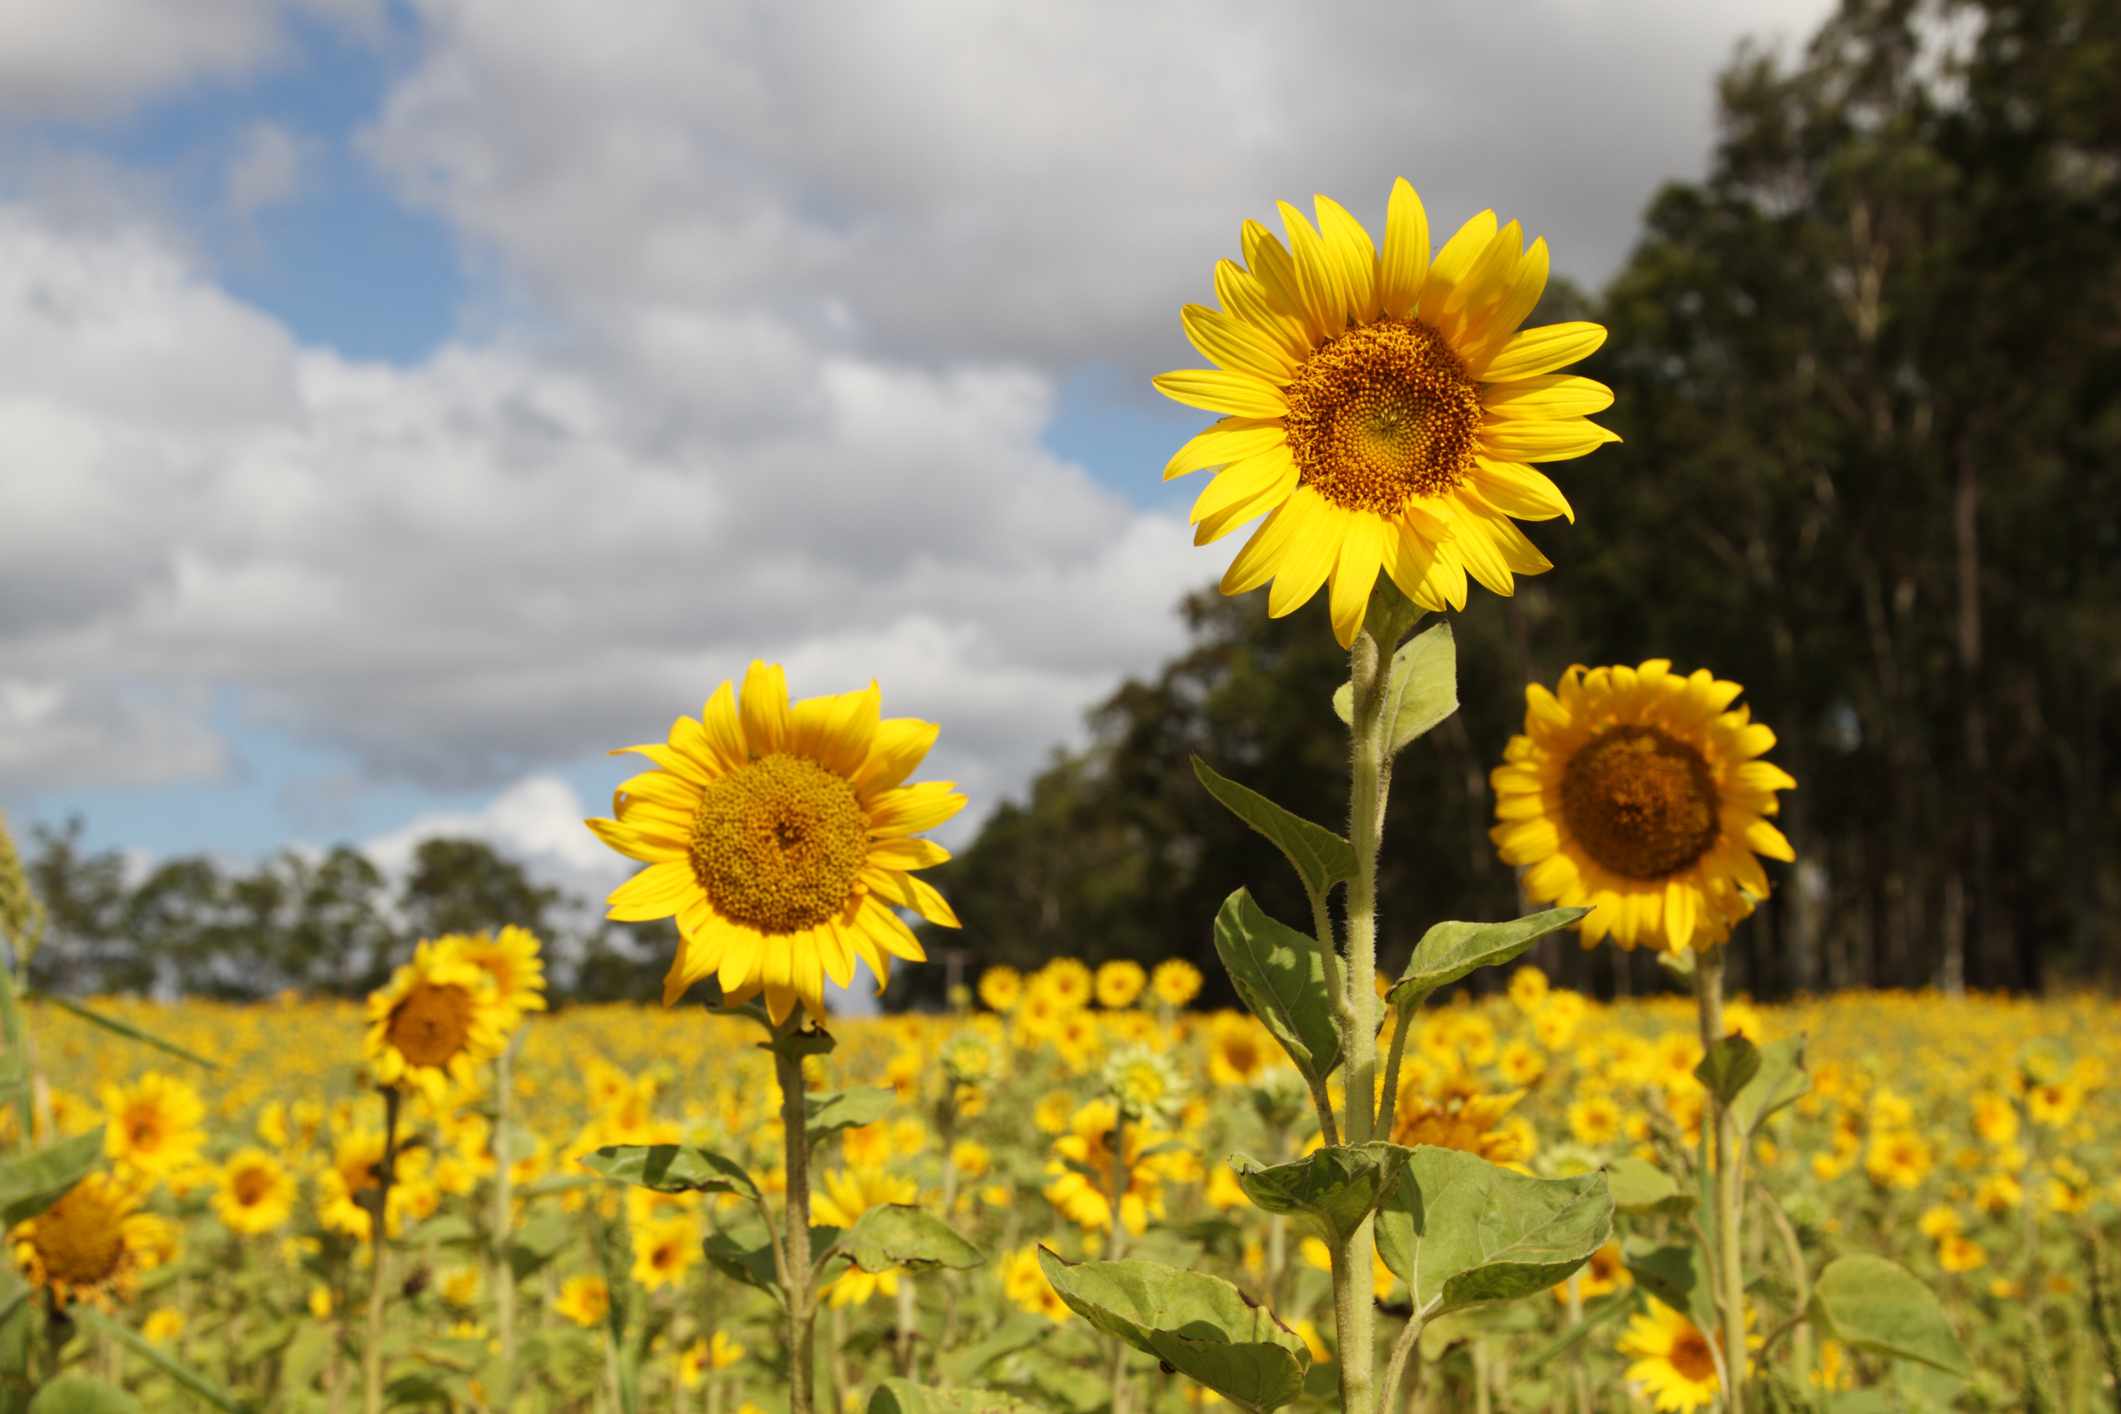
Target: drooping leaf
(906,1397)
(1458,1227)
(1639,1186)
(672,1168)
(78,1394)
(1199,1325)
(1320,857)
(900,1235)
(1780,1080)
(32,1182)
(829,1111)
(1335,1187)
(1450,951)
(126,1029)
(1874,1304)
(1421,691)
(1727,1066)
(1280,976)
(1674,1274)
(160,1358)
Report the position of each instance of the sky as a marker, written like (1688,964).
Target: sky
(403,402)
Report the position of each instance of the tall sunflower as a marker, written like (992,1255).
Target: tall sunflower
(435,1021)
(782,838)
(1673,1364)
(1382,409)
(1641,793)
(92,1244)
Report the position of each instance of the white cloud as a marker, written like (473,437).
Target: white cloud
(267,169)
(536,821)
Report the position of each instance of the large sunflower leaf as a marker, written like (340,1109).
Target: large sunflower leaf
(1320,857)
(1727,1066)
(1280,976)
(1639,1186)
(829,1111)
(672,1168)
(900,1235)
(1779,1080)
(906,1397)
(32,1182)
(1199,1325)
(1874,1304)
(1450,951)
(1459,1228)
(1336,1187)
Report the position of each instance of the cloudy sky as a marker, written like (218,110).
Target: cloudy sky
(400,403)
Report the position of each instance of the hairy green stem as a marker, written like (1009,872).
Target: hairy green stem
(795,1237)
(1729,1190)
(1117,1181)
(504,1277)
(379,1249)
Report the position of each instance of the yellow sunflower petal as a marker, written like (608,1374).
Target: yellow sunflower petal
(909,810)
(1486,278)
(1517,490)
(725,734)
(835,731)
(907,854)
(1531,352)
(1353,254)
(656,892)
(1232,344)
(1451,264)
(1763,838)
(895,752)
(1355,574)
(1550,440)
(1246,481)
(1220,390)
(1262,498)
(1230,440)
(1271,265)
(1520,295)
(1405,263)
(1682,908)
(634,842)
(1257,561)
(1309,557)
(1548,395)
(1244,297)
(764,708)
(1317,277)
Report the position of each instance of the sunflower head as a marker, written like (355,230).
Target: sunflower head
(154,1126)
(93,1243)
(1641,794)
(255,1194)
(514,960)
(784,841)
(1381,408)
(1672,1360)
(435,1022)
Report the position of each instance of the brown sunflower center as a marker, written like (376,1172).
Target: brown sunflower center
(251,1186)
(432,1025)
(777,844)
(143,1129)
(1691,1356)
(81,1239)
(1640,802)
(1382,413)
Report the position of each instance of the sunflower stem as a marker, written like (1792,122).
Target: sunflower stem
(1354,1259)
(802,1309)
(504,1285)
(379,1251)
(1729,1191)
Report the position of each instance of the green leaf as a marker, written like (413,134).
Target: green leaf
(78,1394)
(1450,951)
(1280,976)
(906,1397)
(1320,857)
(1675,1275)
(1458,1227)
(1780,1081)
(672,1168)
(161,1359)
(537,1241)
(900,1235)
(829,1111)
(1421,691)
(1017,1330)
(1726,1067)
(1873,1304)
(128,1031)
(746,1254)
(1199,1325)
(1639,1186)
(34,1181)
(1336,1187)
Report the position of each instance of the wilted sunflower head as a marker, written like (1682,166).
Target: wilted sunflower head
(1381,408)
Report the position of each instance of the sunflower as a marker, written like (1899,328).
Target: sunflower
(783,840)
(663,1250)
(585,1300)
(1175,982)
(255,1193)
(1381,409)
(154,1126)
(1001,988)
(93,1243)
(1119,983)
(1673,1361)
(1024,1283)
(848,1194)
(512,959)
(1640,793)
(435,1021)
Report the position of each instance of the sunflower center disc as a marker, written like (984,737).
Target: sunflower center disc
(251,1186)
(81,1239)
(1382,413)
(777,844)
(432,1025)
(1640,802)
(1690,1356)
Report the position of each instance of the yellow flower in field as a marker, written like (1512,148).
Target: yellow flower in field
(1052,1112)
(1175,982)
(1472,1123)
(163,1325)
(1672,1360)
(585,1300)
(663,1250)
(1958,1253)
(320,1302)
(1594,1120)
(92,1244)
(459,1287)
(848,1194)
(1528,988)
(2053,1105)
(512,958)
(1119,983)
(1066,982)
(1381,409)
(1238,1048)
(1001,988)
(784,841)
(435,1021)
(256,1193)
(1557,1019)
(1520,1064)
(1307,1332)
(1607,1271)
(1939,1221)
(344,1189)
(1639,793)
(1084,1170)
(154,1126)
(1024,1283)
(1995,1118)
(1899,1159)
(701,1356)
